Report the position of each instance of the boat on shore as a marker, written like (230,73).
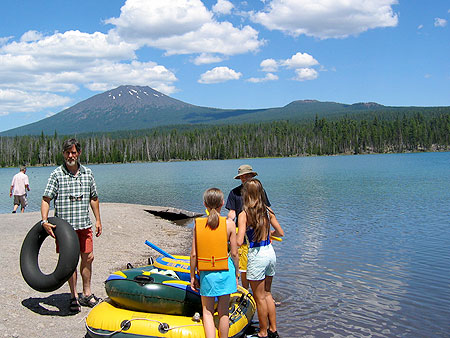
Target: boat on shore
(109,319)
(178,264)
(156,301)
(149,290)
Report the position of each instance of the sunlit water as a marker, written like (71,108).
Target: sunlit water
(367,246)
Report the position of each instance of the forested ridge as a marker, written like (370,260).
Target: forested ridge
(271,139)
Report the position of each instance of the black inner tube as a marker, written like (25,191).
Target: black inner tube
(69,253)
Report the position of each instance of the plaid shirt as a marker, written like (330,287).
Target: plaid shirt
(72,195)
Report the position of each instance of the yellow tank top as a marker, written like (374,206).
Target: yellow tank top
(212,245)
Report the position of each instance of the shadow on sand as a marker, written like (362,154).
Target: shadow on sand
(53,305)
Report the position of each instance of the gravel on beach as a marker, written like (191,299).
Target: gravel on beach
(25,312)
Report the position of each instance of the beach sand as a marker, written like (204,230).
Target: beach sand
(25,312)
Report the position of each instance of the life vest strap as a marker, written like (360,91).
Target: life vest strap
(213,259)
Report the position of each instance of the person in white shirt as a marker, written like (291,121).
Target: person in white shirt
(20,185)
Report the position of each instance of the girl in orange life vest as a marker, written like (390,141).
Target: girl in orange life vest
(209,255)
(254,221)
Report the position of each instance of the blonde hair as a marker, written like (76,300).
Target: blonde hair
(213,199)
(255,207)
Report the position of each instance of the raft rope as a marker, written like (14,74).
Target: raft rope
(165,326)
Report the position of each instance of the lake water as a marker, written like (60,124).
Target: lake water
(367,245)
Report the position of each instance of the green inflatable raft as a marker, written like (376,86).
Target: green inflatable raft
(147,289)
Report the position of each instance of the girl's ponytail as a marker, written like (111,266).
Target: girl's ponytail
(213,219)
(213,200)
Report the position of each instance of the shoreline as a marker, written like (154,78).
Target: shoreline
(29,313)
(246,158)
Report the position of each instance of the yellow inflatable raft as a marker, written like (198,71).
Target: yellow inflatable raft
(108,320)
(179,264)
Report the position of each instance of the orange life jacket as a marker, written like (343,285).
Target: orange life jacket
(212,245)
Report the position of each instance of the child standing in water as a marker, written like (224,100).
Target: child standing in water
(254,221)
(209,255)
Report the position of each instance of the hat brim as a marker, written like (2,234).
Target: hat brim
(237,177)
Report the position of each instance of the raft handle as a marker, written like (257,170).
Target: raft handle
(163,327)
(125,325)
(144,279)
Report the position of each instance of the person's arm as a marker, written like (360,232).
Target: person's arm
(27,186)
(242,226)
(193,264)
(279,232)
(231,229)
(11,190)
(95,206)
(45,207)
(231,215)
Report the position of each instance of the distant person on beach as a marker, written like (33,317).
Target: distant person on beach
(209,256)
(254,222)
(72,187)
(234,206)
(19,187)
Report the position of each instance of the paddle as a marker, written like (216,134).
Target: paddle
(161,251)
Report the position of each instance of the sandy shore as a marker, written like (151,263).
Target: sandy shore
(25,312)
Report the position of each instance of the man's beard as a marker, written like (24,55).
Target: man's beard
(71,162)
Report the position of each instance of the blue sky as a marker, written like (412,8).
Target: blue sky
(224,54)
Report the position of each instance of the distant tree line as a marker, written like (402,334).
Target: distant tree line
(274,139)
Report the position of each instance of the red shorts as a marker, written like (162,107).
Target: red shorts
(85,240)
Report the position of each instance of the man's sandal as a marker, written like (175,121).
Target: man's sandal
(89,301)
(74,305)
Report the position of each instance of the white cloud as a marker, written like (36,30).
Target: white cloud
(300,60)
(223,7)
(63,62)
(304,74)
(31,36)
(14,100)
(111,75)
(420,27)
(206,58)
(219,38)
(70,49)
(438,22)
(219,74)
(269,65)
(326,19)
(5,39)
(152,19)
(268,77)
(181,27)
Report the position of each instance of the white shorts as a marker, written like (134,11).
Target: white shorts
(261,262)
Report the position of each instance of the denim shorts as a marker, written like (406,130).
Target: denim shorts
(261,262)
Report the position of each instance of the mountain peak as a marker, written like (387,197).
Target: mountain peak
(131,96)
(136,92)
(366,105)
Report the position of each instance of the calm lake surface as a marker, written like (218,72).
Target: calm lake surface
(367,245)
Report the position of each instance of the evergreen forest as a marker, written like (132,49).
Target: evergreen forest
(410,133)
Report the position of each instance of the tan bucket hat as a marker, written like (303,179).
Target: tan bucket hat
(245,169)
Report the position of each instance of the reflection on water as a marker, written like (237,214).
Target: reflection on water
(366,251)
